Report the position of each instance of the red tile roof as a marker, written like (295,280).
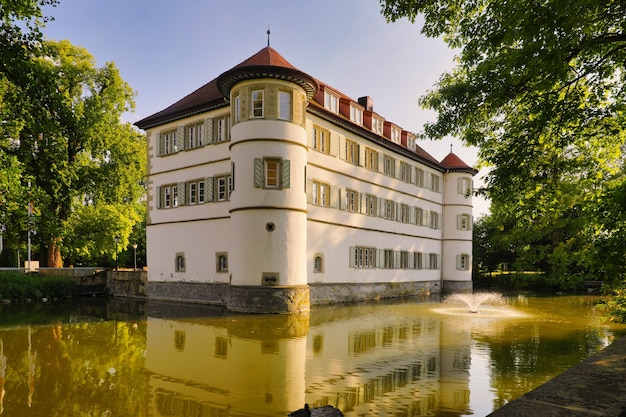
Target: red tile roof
(454,163)
(268,62)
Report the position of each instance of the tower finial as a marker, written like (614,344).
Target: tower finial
(268,36)
(451,148)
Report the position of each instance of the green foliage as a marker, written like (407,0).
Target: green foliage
(614,307)
(540,90)
(15,286)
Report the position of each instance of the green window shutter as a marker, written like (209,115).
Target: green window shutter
(159,144)
(352,257)
(334,144)
(208,189)
(309,191)
(310,134)
(182,187)
(381,207)
(258,172)
(208,130)
(180,134)
(334,197)
(157,197)
(285,173)
(380,258)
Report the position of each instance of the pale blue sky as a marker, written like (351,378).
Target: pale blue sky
(166,49)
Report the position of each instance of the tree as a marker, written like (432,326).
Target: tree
(539,89)
(74,145)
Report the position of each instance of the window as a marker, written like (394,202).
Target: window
(463,262)
(371,159)
(377,125)
(434,220)
(356,115)
(318,263)
(195,136)
(435,183)
(331,101)
(168,142)
(465,186)
(371,203)
(222,129)
(221,262)
(352,201)
(321,194)
(404,260)
(419,216)
(405,172)
(169,196)
(201,192)
(388,259)
(395,135)
(352,152)
(418,260)
(405,213)
(362,257)
(237,108)
(419,177)
(433,260)
(223,188)
(389,207)
(464,222)
(321,139)
(180,262)
(271,173)
(257,104)
(284,105)
(389,166)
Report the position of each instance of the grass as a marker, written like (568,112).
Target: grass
(22,287)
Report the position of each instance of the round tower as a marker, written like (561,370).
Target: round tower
(456,265)
(268,216)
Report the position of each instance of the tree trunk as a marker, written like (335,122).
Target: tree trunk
(54,256)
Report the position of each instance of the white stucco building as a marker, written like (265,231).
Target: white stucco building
(269,190)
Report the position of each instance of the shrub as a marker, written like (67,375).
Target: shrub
(16,286)
(614,307)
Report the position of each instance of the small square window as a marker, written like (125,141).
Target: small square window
(221,262)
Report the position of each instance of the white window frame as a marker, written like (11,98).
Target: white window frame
(257,104)
(352,152)
(284,105)
(405,172)
(352,201)
(464,222)
(371,205)
(321,139)
(389,166)
(356,115)
(377,125)
(331,101)
(463,262)
(321,194)
(221,262)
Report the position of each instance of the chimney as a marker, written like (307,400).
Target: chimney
(367,102)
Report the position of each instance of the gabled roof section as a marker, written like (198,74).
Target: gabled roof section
(453,163)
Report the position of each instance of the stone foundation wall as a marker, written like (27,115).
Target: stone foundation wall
(457,286)
(268,299)
(339,293)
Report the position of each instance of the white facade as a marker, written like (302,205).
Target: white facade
(266,178)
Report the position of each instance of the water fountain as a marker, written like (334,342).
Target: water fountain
(485,304)
(473,301)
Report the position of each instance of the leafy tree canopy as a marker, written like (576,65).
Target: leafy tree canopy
(63,145)
(539,88)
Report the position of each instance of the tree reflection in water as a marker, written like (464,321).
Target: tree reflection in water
(122,358)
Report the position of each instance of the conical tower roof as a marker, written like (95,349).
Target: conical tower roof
(455,164)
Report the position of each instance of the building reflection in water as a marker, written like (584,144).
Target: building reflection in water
(352,357)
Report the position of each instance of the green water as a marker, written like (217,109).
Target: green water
(413,357)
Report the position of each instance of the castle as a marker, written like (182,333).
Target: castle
(270,191)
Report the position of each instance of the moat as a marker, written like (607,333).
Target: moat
(401,357)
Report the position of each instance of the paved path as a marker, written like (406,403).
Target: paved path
(595,387)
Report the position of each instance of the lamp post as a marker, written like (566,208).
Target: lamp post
(135,249)
(117,265)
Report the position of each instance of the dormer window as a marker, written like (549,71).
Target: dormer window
(411,142)
(395,135)
(257,103)
(331,101)
(377,125)
(356,115)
